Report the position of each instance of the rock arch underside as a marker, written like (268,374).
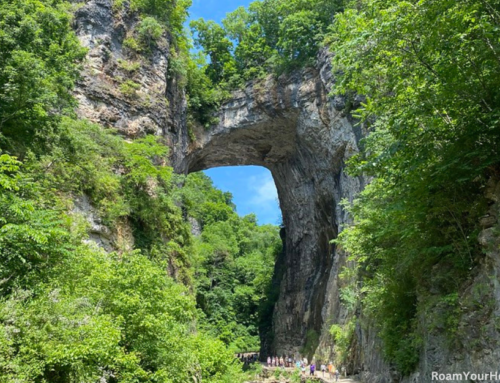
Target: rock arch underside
(290,125)
(295,129)
(303,135)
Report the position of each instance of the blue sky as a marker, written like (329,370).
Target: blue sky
(253,191)
(252,187)
(215,9)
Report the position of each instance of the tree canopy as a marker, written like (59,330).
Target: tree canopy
(430,72)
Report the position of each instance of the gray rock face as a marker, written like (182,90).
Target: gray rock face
(295,129)
(130,92)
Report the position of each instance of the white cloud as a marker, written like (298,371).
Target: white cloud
(264,190)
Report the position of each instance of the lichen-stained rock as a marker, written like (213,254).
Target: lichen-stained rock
(293,127)
(120,87)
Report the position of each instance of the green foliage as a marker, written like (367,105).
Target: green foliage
(149,31)
(70,311)
(203,96)
(129,88)
(32,236)
(271,36)
(430,74)
(39,56)
(342,337)
(105,315)
(132,44)
(172,12)
(129,66)
(212,37)
(234,261)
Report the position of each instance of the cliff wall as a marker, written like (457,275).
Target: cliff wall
(303,135)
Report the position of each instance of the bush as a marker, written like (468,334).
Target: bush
(129,66)
(149,31)
(132,44)
(129,88)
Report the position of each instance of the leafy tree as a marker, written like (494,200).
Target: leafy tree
(39,56)
(430,73)
(271,36)
(150,31)
(212,37)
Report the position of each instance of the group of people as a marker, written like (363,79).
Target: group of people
(302,364)
(247,359)
(282,361)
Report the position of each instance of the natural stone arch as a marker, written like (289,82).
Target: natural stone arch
(289,125)
(293,128)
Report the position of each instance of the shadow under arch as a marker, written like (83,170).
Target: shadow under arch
(293,128)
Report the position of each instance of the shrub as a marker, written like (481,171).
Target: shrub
(132,44)
(149,31)
(129,88)
(129,66)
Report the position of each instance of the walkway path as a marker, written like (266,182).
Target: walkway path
(319,375)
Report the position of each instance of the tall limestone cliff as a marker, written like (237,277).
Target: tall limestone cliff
(289,125)
(303,135)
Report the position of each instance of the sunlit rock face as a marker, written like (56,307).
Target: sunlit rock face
(120,88)
(293,127)
(289,125)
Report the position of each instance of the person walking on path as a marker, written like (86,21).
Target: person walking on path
(268,361)
(330,370)
(303,368)
(312,368)
(337,373)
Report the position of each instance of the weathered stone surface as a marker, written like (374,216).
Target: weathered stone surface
(292,126)
(157,106)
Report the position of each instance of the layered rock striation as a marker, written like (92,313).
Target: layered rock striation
(303,135)
(290,125)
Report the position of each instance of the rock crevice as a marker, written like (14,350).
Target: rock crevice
(303,135)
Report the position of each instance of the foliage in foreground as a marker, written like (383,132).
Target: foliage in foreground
(70,312)
(73,312)
(233,262)
(431,74)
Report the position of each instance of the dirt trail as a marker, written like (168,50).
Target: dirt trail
(318,375)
